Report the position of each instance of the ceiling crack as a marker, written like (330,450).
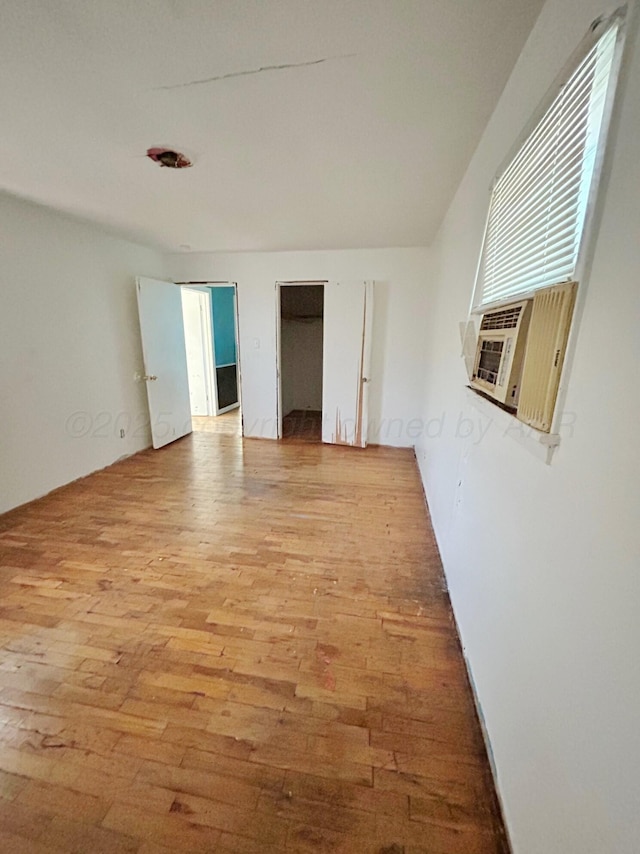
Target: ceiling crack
(260,70)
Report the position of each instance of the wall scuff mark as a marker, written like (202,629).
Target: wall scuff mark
(261,70)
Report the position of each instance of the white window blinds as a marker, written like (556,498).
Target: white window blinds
(539,202)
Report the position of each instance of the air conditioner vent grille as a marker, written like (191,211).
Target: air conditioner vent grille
(489,361)
(548,334)
(506,318)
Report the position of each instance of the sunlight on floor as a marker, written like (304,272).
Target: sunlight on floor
(228,424)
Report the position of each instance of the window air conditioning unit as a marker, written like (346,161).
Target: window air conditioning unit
(500,352)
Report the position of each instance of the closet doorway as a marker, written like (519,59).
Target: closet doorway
(300,360)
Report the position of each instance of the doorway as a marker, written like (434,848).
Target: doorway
(300,360)
(211,343)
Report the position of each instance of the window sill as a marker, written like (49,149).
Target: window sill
(541,445)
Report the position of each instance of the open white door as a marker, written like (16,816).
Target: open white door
(165,360)
(196,311)
(348,316)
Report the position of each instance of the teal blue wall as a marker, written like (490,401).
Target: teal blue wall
(224,325)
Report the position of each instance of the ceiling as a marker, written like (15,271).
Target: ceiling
(312,123)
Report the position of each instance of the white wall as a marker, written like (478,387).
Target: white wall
(543,562)
(301,364)
(69,346)
(401,277)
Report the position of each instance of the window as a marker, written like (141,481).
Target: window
(535,233)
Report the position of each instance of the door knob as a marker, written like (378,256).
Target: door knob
(149,379)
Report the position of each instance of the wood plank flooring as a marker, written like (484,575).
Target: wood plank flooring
(302,425)
(235,646)
(228,423)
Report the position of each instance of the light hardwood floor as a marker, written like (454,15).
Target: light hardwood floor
(235,646)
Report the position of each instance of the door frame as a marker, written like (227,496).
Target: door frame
(204,286)
(279,285)
(207,347)
(235,318)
